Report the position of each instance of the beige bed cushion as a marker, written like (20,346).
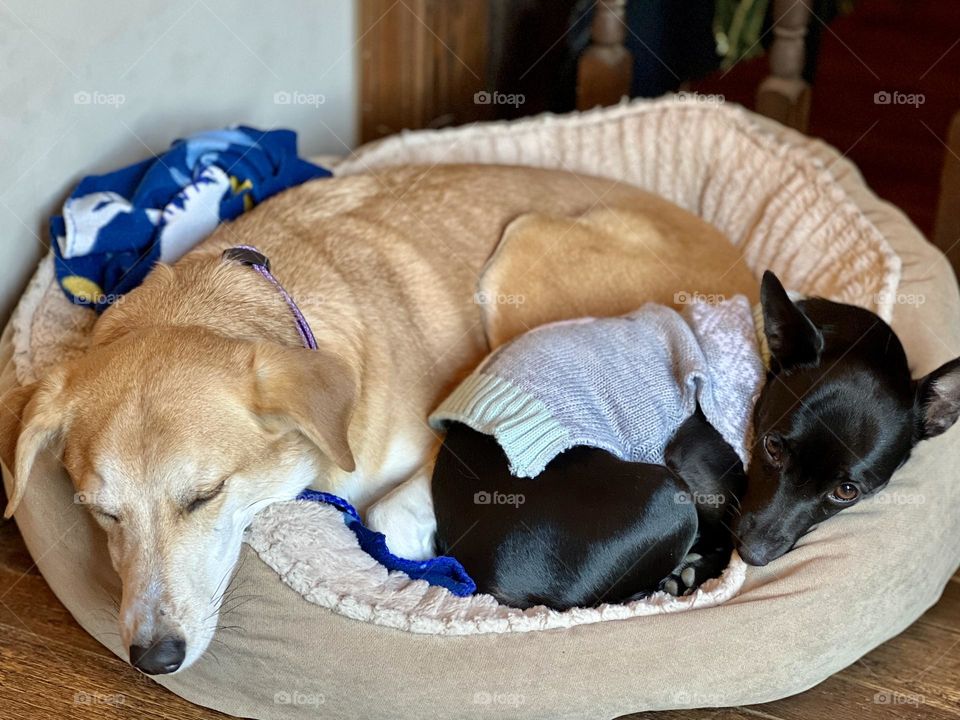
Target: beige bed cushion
(773,640)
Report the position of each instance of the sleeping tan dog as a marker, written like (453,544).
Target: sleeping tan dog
(196,404)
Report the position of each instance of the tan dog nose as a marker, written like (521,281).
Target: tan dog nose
(163,655)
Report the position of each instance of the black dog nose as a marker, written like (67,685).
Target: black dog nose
(753,555)
(160,657)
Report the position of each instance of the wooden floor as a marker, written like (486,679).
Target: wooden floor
(50,668)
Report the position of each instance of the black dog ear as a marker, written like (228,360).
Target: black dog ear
(792,338)
(938,400)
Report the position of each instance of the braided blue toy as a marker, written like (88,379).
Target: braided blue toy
(443,571)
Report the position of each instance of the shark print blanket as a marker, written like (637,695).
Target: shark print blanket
(114,227)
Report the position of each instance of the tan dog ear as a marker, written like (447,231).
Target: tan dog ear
(31,418)
(11,411)
(314,390)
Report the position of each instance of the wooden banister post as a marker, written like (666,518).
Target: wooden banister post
(946,230)
(605,69)
(784,95)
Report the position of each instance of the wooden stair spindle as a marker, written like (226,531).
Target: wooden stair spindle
(784,95)
(605,69)
(946,230)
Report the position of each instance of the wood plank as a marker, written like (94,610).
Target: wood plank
(946,231)
(422,63)
(48,680)
(29,606)
(846,700)
(946,613)
(850,700)
(921,665)
(13,553)
(704,714)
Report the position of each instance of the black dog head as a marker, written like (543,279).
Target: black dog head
(838,415)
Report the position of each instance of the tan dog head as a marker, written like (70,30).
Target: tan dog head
(174,438)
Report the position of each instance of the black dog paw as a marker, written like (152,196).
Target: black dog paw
(697,567)
(683,580)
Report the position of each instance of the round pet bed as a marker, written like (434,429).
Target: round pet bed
(386,647)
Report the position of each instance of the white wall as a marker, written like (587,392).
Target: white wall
(86,87)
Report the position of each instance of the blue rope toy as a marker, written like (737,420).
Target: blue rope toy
(443,571)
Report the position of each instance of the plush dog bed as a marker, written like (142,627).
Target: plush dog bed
(382,646)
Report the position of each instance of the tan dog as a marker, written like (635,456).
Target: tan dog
(196,404)
(607,262)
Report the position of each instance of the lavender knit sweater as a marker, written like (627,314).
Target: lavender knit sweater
(621,384)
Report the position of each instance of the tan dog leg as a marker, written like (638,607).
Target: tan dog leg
(405,515)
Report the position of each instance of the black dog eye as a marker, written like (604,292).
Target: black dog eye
(845,493)
(773,447)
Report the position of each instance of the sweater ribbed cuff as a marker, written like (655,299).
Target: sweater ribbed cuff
(522,425)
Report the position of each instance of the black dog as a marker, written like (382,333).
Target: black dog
(590,528)
(838,414)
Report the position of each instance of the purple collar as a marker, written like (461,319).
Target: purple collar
(249,255)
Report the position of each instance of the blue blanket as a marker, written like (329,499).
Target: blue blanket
(114,227)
